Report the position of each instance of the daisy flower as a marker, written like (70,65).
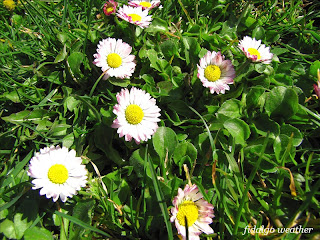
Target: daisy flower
(215,72)
(9,4)
(144,4)
(189,204)
(110,7)
(113,56)
(136,16)
(255,51)
(137,115)
(58,172)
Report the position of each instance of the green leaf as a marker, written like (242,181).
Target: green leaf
(314,69)
(288,129)
(7,228)
(278,51)
(82,211)
(164,140)
(103,141)
(71,103)
(258,33)
(27,115)
(68,140)
(157,25)
(169,48)
(265,125)
(37,233)
(21,224)
(153,57)
(12,96)
(231,108)
(280,144)
(183,150)
(238,129)
(136,160)
(75,59)
(62,54)
(119,82)
(282,102)
(191,49)
(255,97)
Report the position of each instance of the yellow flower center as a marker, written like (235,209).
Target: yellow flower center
(255,52)
(109,9)
(135,17)
(212,73)
(10,4)
(145,4)
(187,210)
(134,114)
(114,60)
(58,174)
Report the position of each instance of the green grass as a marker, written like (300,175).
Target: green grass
(254,151)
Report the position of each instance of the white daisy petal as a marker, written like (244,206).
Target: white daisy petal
(137,115)
(113,56)
(57,172)
(135,15)
(144,4)
(189,204)
(216,73)
(255,51)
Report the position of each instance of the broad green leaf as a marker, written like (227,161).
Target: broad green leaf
(27,115)
(21,224)
(191,49)
(102,138)
(238,129)
(153,57)
(62,54)
(255,97)
(54,77)
(72,103)
(68,140)
(75,59)
(157,25)
(119,82)
(278,51)
(314,69)
(180,107)
(136,160)
(7,228)
(164,140)
(59,129)
(282,102)
(164,87)
(169,48)
(288,129)
(291,68)
(258,33)
(264,125)
(37,233)
(231,108)
(183,150)
(280,145)
(260,67)
(82,211)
